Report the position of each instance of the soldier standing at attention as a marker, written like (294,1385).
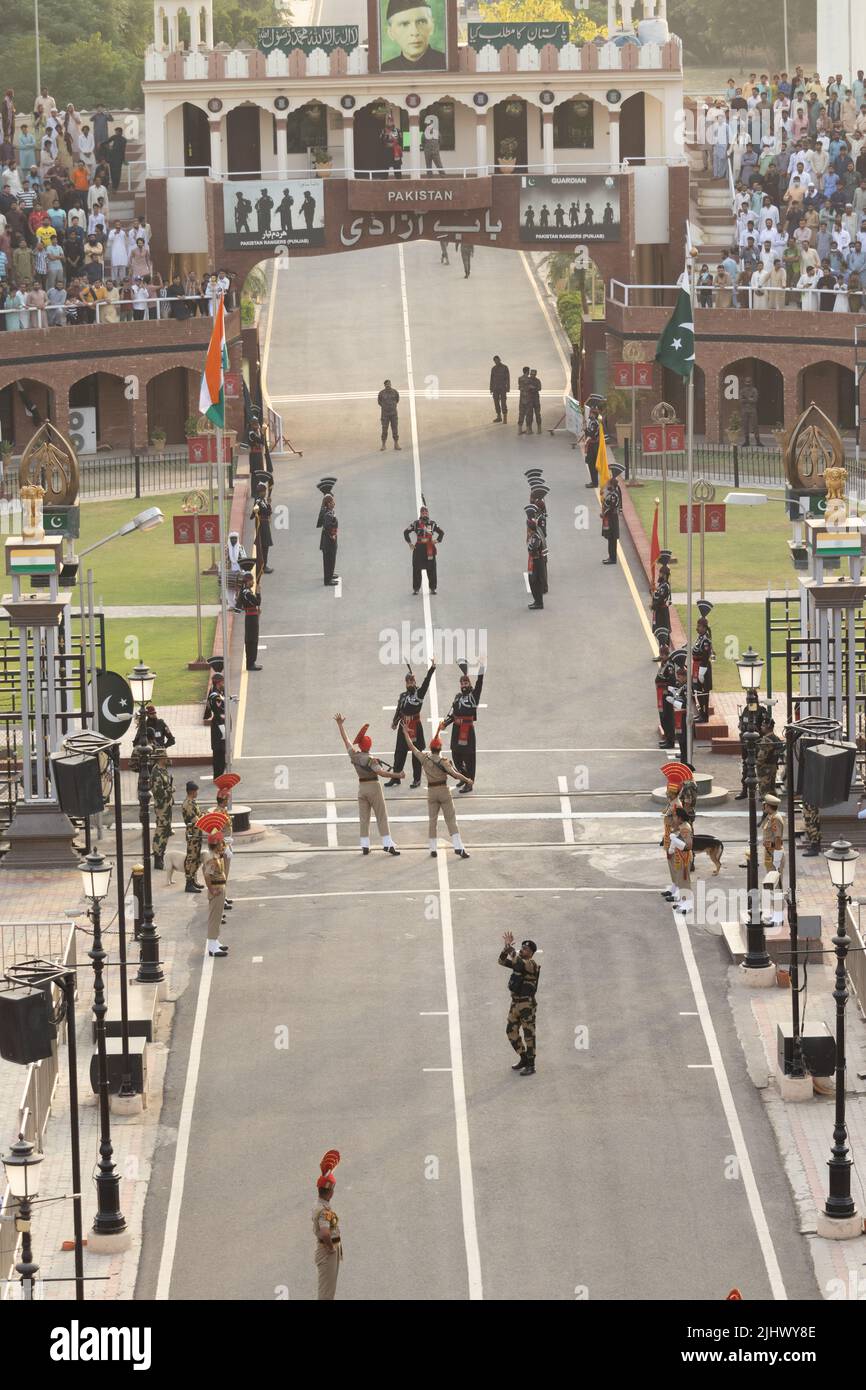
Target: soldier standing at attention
(702,658)
(215,716)
(371,798)
(535,399)
(250,604)
(772,832)
(326,1228)
(261,515)
(388,400)
(328,542)
(812,826)
(523,986)
(593,439)
(770,750)
(214,873)
(610,520)
(660,598)
(191,811)
(427,535)
(680,846)
(464,713)
(749,411)
(437,770)
(664,679)
(535,562)
(500,385)
(408,718)
(524,401)
(162,788)
(158,732)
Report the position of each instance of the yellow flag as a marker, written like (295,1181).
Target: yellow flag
(601,467)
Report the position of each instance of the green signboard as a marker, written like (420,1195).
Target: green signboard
(62,521)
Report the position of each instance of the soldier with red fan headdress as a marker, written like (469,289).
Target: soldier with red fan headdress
(213,868)
(326,1228)
(371,798)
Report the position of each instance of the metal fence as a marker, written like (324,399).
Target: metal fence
(857,957)
(734,464)
(127,475)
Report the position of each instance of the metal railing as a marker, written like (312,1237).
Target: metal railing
(127,475)
(131,311)
(737,465)
(857,958)
(458,171)
(664,297)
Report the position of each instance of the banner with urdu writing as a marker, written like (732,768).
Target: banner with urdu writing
(518,35)
(328,37)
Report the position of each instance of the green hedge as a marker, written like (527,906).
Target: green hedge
(569,306)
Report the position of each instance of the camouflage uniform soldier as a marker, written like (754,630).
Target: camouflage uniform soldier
(162,787)
(190,810)
(523,985)
(812,826)
(770,748)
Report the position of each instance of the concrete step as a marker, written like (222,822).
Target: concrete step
(726,744)
(714,728)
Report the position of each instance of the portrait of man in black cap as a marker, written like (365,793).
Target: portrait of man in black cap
(410,26)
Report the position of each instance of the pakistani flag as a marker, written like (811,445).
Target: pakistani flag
(676,346)
(212,397)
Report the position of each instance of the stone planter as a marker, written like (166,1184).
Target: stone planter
(507,166)
(323,171)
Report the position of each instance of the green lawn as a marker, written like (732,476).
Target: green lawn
(736,627)
(752,553)
(166,645)
(145,567)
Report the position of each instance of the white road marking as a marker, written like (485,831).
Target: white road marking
(547,319)
(433,1013)
(262,647)
(436,1068)
(266,349)
(430,717)
(400,892)
(241,714)
(315,397)
(270,757)
(526,582)
(256,960)
(475,816)
(181,1153)
(331,816)
(458,1085)
(565,807)
(270,636)
(338,588)
(700,1066)
(750,1185)
(689,1013)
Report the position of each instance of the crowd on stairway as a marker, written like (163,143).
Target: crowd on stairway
(794,148)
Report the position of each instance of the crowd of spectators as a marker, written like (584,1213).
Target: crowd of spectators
(795,149)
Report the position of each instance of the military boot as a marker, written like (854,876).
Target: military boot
(518,1066)
(158,861)
(193,887)
(529,1068)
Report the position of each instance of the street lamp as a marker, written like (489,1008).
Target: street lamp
(756,957)
(22,1174)
(141,682)
(839,1206)
(750,669)
(109,1221)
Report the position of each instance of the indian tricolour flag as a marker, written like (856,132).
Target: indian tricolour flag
(212,397)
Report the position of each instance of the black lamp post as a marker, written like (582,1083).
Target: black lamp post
(96,877)
(839,1206)
(750,669)
(22,1169)
(150,971)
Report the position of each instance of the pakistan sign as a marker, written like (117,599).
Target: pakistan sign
(518,35)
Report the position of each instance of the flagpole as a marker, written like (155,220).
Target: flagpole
(224,615)
(690,478)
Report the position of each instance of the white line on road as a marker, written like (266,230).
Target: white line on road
(181,1152)
(750,1185)
(477,816)
(700,1066)
(338,588)
(437,1069)
(433,1013)
(526,582)
(315,397)
(485,752)
(257,960)
(565,808)
(270,636)
(689,1013)
(331,816)
(458,1084)
(402,892)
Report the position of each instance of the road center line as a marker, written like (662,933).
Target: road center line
(331,817)
(458,1085)
(565,808)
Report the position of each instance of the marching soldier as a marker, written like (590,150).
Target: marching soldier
(215,717)
(500,385)
(261,515)
(249,602)
(326,1229)
(523,987)
(428,534)
(679,850)
(437,770)
(524,399)
(388,400)
(661,596)
(214,874)
(702,658)
(191,812)
(371,798)
(462,718)
(162,788)
(329,524)
(665,678)
(770,750)
(535,562)
(408,719)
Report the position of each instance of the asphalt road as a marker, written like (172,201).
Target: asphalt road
(362,1006)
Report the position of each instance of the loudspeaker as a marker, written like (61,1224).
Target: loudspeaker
(27,1029)
(827,772)
(818,1049)
(78,783)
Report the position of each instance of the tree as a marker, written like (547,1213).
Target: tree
(540,11)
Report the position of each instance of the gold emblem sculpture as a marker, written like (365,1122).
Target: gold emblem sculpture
(31,495)
(50,462)
(812,449)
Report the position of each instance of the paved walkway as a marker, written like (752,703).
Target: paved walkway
(740,595)
(165,610)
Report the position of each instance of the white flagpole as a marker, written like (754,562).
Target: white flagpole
(690,478)
(224,617)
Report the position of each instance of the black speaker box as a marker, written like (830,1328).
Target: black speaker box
(27,1029)
(827,772)
(78,783)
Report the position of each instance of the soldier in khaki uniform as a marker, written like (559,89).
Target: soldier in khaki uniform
(679,850)
(162,788)
(772,836)
(213,869)
(190,810)
(326,1229)
(437,770)
(523,986)
(371,798)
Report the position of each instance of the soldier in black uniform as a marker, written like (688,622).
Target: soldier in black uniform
(702,655)
(427,535)
(215,717)
(249,601)
(462,717)
(409,713)
(500,385)
(261,515)
(751,720)
(535,400)
(535,561)
(328,522)
(523,987)
(388,400)
(679,704)
(592,440)
(664,679)
(610,503)
(524,414)
(158,732)
(661,596)
(538,491)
